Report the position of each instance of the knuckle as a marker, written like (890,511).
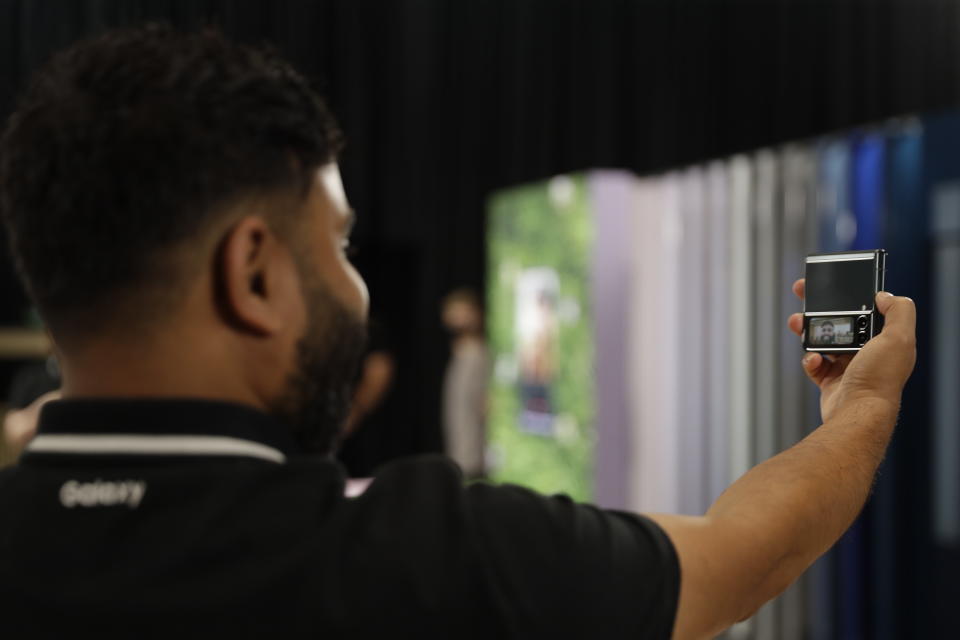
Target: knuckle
(906,304)
(904,340)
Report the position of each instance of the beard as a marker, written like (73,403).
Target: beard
(320,389)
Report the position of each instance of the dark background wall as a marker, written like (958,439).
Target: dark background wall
(443,101)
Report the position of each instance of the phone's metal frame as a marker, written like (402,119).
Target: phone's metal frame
(879,257)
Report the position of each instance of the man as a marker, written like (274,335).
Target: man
(465,383)
(176,211)
(826,332)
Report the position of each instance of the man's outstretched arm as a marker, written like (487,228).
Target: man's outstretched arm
(773,522)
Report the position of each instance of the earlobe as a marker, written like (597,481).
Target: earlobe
(246,256)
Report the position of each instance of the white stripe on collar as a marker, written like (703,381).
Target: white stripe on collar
(177,445)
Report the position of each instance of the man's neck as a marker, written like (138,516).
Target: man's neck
(116,369)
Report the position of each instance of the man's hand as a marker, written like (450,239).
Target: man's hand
(772,523)
(878,371)
(20,425)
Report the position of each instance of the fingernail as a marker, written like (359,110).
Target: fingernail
(884,294)
(808,358)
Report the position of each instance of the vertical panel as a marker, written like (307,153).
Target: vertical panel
(866,203)
(692,292)
(869,191)
(904,207)
(718,318)
(941,564)
(611,198)
(741,321)
(796,221)
(945,219)
(914,155)
(837,224)
(945,454)
(836,230)
(741,328)
(653,347)
(767,324)
(766,329)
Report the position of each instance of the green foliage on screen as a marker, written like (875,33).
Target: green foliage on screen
(545,226)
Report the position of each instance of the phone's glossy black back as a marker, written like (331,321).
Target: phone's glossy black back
(839,307)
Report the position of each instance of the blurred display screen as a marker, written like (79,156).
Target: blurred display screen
(542,405)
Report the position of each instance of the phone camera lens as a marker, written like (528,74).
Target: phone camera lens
(862,322)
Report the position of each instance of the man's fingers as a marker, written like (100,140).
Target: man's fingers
(800,287)
(838,364)
(812,362)
(899,315)
(795,323)
(820,369)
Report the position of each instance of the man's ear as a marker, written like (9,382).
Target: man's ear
(255,277)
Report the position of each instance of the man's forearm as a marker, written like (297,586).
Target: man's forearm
(794,506)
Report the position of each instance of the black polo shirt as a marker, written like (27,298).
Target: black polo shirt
(168,519)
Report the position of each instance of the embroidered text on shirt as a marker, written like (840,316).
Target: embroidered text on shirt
(100,493)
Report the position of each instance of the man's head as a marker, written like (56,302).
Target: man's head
(826,332)
(827,328)
(461,312)
(163,189)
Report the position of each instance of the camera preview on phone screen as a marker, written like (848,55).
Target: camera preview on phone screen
(839,306)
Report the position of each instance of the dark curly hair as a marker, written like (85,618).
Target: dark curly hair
(131,143)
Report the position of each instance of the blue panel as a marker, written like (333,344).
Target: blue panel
(837,229)
(867,196)
(934,574)
(868,191)
(837,225)
(904,198)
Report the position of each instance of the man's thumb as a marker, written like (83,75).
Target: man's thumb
(899,313)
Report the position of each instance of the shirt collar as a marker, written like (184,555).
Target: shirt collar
(148,427)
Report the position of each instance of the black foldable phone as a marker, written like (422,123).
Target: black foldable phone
(839,309)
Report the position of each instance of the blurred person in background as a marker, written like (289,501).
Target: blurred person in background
(210,328)
(376,377)
(20,423)
(361,444)
(466,383)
